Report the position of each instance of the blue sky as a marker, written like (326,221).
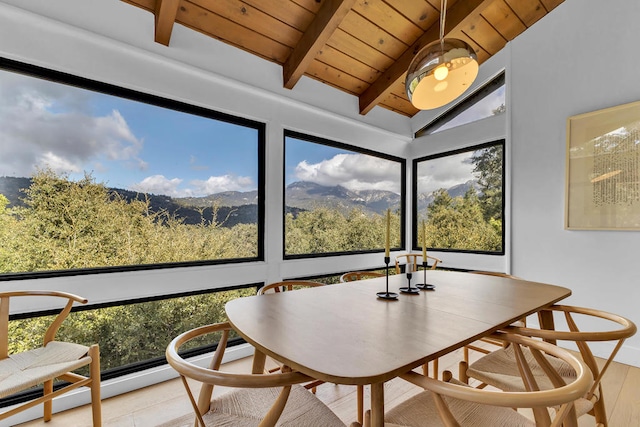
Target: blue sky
(122,143)
(132,145)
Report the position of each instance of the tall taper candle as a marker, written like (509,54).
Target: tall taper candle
(388,236)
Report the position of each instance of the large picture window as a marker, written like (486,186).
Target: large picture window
(336,198)
(458,197)
(94,176)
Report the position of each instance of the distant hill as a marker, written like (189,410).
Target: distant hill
(459,190)
(226,198)
(235,207)
(308,195)
(11,187)
(200,208)
(229,215)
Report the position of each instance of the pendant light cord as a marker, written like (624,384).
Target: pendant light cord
(443,14)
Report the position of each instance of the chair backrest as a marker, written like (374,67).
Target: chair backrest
(5,299)
(288,285)
(625,328)
(563,395)
(359,275)
(413,258)
(212,376)
(55,359)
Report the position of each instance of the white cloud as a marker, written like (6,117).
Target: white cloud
(352,171)
(49,125)
(58,163)
(444,172)
(159,184)
(218,184)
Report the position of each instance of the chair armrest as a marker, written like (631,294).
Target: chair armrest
(55,325)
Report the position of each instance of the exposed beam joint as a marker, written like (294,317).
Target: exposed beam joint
(166,12)
(329,17)
(456,16)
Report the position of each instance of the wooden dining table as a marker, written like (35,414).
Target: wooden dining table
(345,334)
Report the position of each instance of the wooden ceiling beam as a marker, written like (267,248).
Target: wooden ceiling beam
(166,12)
(456,17)
(327,20)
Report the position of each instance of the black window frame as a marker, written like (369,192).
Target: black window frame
(414,195)
(359,150)
(159,101)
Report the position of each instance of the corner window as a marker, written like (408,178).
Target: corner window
(459,198)
(97,177)
(336,198)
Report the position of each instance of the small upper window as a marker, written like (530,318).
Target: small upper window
(486,102)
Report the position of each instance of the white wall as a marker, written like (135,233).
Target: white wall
(582,57)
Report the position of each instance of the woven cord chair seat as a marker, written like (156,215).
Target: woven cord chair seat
(247,407)
(499,369)
(420,410)
(30,368)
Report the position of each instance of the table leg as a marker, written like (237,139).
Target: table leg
(545,317)
(377,405)
(259,359)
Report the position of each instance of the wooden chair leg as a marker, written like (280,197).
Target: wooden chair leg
(435,369)
(367,419)
(599,411)
(360,395)
(48,405)
(462,372)
(96,404)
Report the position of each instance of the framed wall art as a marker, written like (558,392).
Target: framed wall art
(603,169)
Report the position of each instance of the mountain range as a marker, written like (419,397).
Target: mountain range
(235,207)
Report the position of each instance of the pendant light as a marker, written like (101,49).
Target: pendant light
(442,70)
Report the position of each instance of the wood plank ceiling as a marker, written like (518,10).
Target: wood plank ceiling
(362,47)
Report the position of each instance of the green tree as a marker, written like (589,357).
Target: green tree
(66,225)
(488,169)
(324,230)
(458,223)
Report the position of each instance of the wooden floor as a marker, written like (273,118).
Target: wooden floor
(161,403)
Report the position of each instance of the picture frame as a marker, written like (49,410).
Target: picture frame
(603,169)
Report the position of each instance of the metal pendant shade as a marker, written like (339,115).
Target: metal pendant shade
(441,71)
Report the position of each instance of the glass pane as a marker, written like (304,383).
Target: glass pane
(94,180)
(336,199)
(131,333)
(459,200)
(486,102)
(491,105)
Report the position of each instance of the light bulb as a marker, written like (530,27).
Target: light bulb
(441,72)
